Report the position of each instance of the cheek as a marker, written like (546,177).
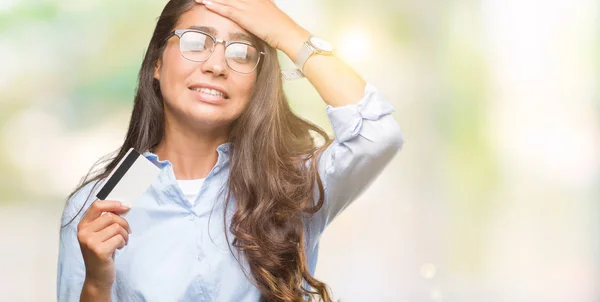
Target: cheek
(244,89)
(173,73)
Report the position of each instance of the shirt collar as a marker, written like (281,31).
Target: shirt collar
(167,184)
(223,150)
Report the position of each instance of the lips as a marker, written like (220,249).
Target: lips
(209,90)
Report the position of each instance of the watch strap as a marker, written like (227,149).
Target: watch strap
(305,52)
(292,74)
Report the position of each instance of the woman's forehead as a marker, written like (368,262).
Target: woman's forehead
(237,36)
(199,17)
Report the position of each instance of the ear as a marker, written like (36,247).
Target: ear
(157,70)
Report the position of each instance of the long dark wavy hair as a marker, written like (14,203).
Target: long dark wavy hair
(273,170)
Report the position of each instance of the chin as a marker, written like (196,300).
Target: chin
(211,120)
(203,116)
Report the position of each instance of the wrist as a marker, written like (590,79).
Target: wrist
(95,291)
(97,286)
(293,42)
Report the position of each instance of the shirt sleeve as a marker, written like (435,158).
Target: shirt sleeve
(366,138)
(71,268)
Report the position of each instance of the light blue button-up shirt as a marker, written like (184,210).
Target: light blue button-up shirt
(179,252)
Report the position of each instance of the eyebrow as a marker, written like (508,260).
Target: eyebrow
(232,35)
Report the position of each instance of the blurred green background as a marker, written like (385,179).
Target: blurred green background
(495,196)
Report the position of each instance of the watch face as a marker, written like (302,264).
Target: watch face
(321,44)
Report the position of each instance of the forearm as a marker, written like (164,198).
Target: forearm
(337,83)
(93,292)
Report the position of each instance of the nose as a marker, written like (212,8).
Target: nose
(216,63)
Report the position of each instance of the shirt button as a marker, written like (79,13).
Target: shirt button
(216,169)
(200,257)
(191,217)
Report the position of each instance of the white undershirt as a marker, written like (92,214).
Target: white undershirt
(190,188)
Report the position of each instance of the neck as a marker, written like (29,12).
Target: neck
(192,152)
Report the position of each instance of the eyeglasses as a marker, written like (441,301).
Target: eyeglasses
(198,46)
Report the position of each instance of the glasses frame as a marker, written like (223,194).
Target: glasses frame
(180,32)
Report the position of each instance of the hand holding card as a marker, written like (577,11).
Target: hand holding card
(130,179)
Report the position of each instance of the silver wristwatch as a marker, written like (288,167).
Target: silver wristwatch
(314,45)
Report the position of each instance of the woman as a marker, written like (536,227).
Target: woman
(244,193)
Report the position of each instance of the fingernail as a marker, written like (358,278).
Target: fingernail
(207,2)
(125,207)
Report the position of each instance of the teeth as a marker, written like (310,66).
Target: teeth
(209,91)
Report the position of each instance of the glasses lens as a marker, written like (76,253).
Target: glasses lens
(196,46)
(242,57)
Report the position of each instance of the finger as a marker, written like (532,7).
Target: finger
(239,5)
(111,231)
(220,8)
(107,219)
(108,247)
(210,2)
(220,2)
(100,206)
